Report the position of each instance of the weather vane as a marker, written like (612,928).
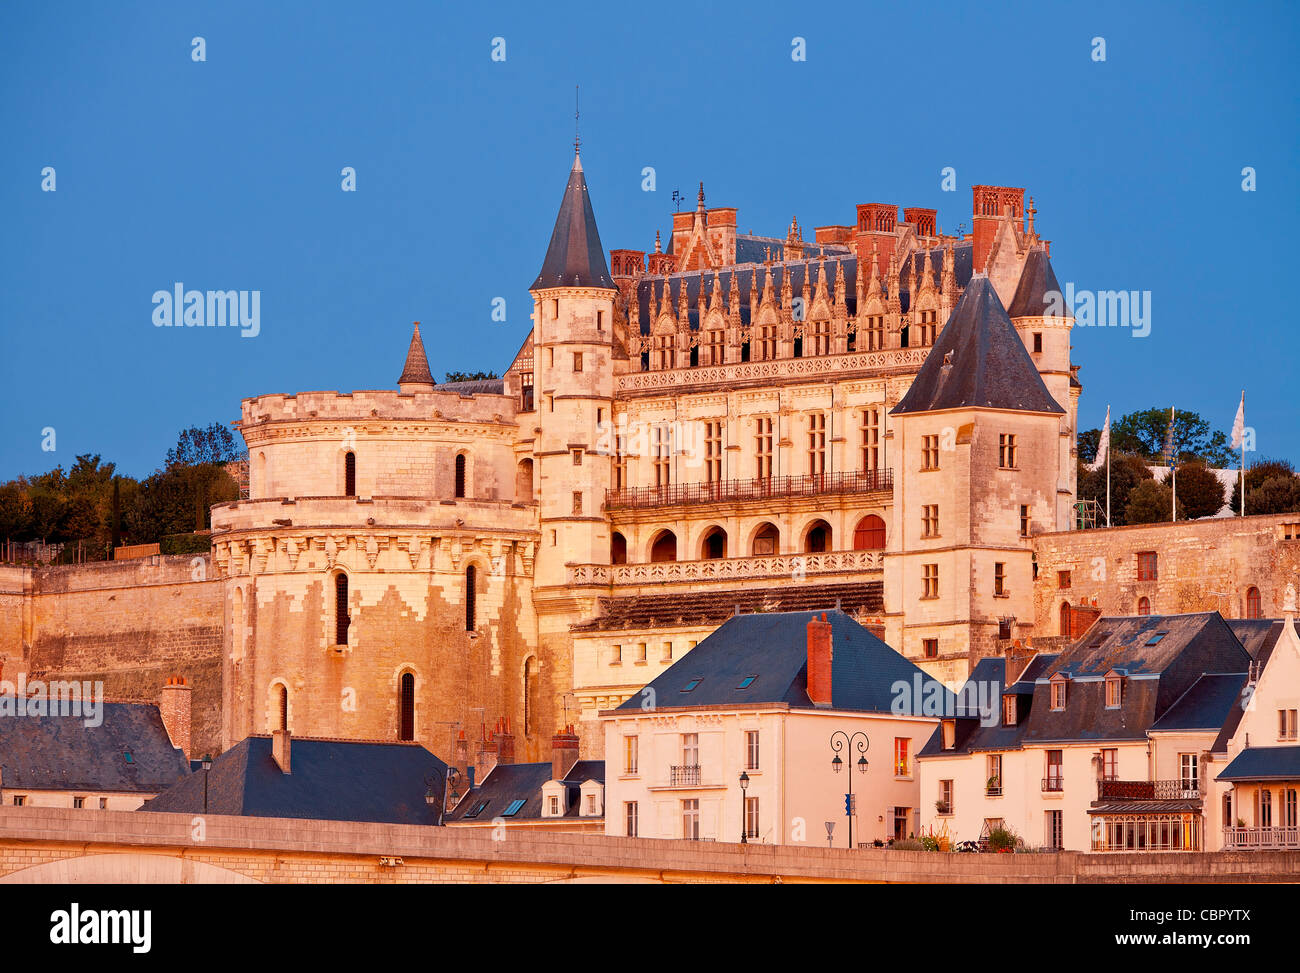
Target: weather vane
(576,140)
(677,201)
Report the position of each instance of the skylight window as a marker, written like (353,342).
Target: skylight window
(513,809)
(744,683)
(130,758)
(691,685)
(1156,638)
(478,809)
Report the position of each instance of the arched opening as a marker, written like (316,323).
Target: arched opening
(524,481)
(767,540)
(869,535)
(259,487)
(471,598)
(617,548)
(1144,605)
(530,695)
(350,474)
(283,706)
(1254,606)
(406,707)
(714,545)
(817,539)
(342,613)
(460,475)
(1065,619)
(664,546)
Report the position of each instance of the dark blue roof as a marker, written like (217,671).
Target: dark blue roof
(1038,294)
(331,780)
(985,686)
(1206,705)
(773,648)
(62,753)
(575,257)
(507,784)
(1264,763)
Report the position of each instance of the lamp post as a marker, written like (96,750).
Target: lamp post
(850,742)
(207,765)
(744,825)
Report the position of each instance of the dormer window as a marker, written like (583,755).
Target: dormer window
(1114,690)
(1008,710)
(949,734)
(1057,687)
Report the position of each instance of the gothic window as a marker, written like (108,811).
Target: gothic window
(350,474)
(1254,608)
(406,707)
(342,613)
(460,475)
(283,701)
(471,595)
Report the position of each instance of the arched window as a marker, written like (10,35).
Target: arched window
(1144,605)
(524,482)
(664,547)
(350,474)
(406,707)
(818,538)
(1065,619)
(460,474)
(617,548)
(530,695)
(870,534)
(284,707)
(1254,609)
(342,614)
(767,540)
(714,545)
(471,598)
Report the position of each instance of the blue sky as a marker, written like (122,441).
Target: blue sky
(226,175)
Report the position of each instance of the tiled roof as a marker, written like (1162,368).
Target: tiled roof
(507,783)
(575,257)
(416,370)
(128,752)
(978,361)
(1264,763)
(715,607)
(331,780)
(773,649)
(1038,294)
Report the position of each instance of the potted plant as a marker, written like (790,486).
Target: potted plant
(993,785)
(943,807)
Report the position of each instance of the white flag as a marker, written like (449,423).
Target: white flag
(1103,445)
(1239,424)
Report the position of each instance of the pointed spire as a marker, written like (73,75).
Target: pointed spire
(415,374)
(715,298)
(658,245)
(733,299)
(575,257)
(699,206)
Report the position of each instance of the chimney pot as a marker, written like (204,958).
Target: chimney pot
(820,657)
(564,752)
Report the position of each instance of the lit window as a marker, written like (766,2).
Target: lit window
(631,754)
(902,765)
(1114,692)
(1006,451)
(1058,695)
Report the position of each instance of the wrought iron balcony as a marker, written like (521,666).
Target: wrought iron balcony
(758,488)
(1053,784)
(687,775)
(1149,790)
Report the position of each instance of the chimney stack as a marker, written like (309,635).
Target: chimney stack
(988,205)
(280,749)
(820,657)
(564,752)
(174,708)
(1016,660)
(462,754)
(486,758)
(505,742)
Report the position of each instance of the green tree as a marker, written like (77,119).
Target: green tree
(1143,433)
(1257,474)
(1088,442)
(1149,503)
(1126,472)
(1200,493)
(470,376)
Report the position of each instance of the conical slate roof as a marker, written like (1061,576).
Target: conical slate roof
(1038,295)
(978,362)
(416,370)
(575,257)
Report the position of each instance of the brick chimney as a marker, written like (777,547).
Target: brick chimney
(921,218)
(877,225)
(820,656)
(280,750)
(486,758)
(564,752)
(1017,657)
(462,754)
(505,742)
(174,708)
(988,205)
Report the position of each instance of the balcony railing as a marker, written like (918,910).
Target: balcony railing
(790,566)
(687,775)
(758,488)
(1149,790)
(1251,839)
(1053,784)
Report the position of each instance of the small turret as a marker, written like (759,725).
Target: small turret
(415,374)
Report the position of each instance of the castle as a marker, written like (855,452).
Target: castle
(881,419)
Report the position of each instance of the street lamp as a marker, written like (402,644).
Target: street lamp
(744,829)
(207,765)
(855,741)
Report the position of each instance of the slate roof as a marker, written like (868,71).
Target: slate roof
(507,783)
(331,780)
(62,753)
(971,735)
(416,369)
(1038,294)
(1264,763)
(978,361)
(715,607)
(1159,671)
(494,386)
(575,257)
(1206,705)
(1258,635)
(772,647)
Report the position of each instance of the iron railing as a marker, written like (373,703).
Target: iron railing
(687,775)
(757,488)
(1184,789)
(1053,784)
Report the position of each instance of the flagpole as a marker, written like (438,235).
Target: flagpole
(1108,465)
(1243,453)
